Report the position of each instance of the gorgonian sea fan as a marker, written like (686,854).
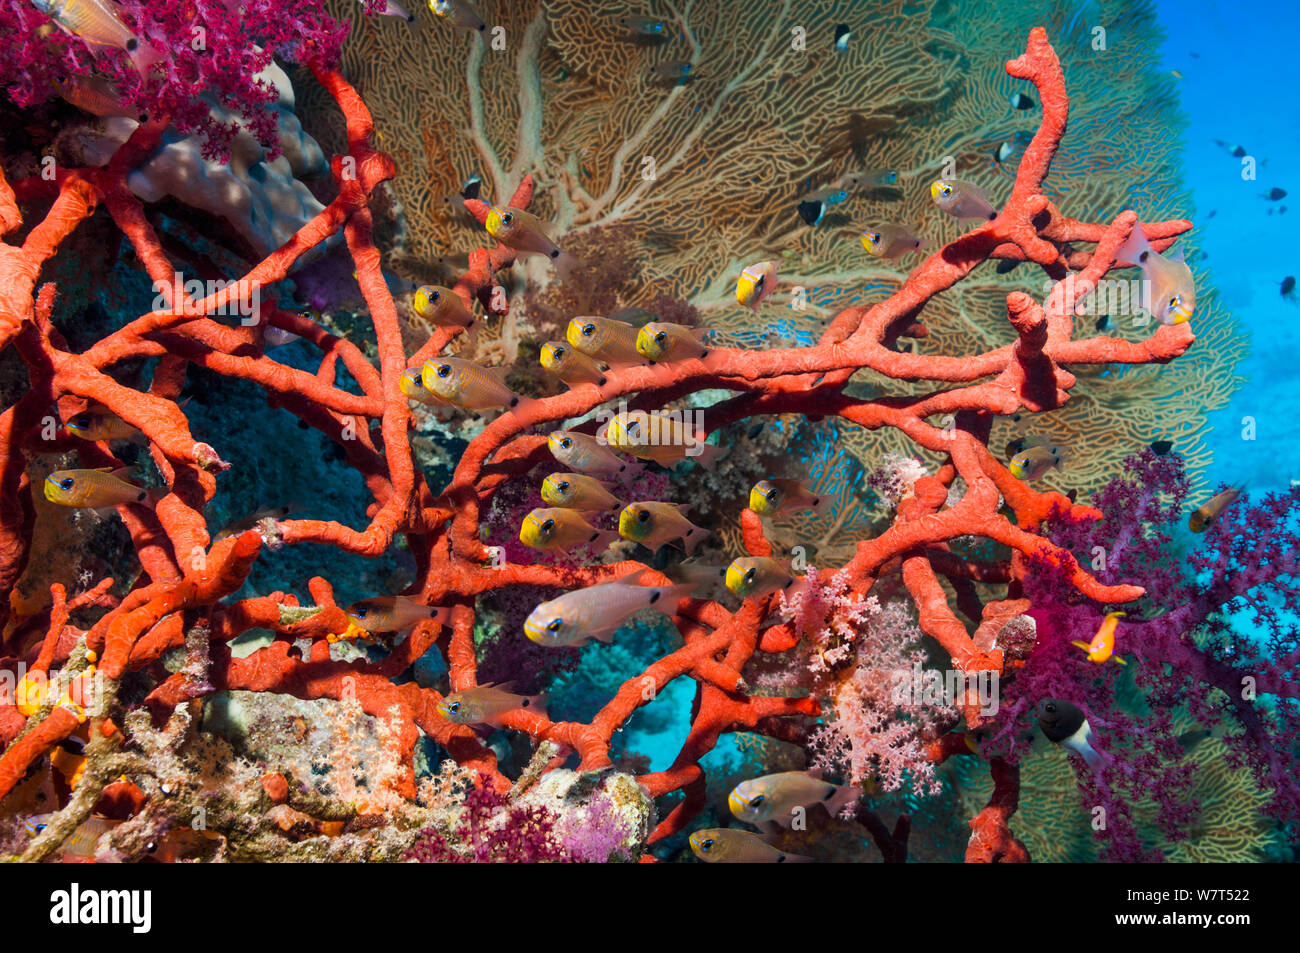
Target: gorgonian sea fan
(217,48)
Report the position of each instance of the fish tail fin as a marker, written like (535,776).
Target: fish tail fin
(144,56)
(1091,756)
(1082,645)
(708,455)
(537,703)
(1134,247)
(522,406)
(603,539)
(669,596)
(564,263)
(631,471)
(441,615)
(692,538)
(1119,659)
(845,796)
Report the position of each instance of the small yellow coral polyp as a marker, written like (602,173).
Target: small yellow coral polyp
(350,634)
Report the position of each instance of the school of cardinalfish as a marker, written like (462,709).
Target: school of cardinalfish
(593,346)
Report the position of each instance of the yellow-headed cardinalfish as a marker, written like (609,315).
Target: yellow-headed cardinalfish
(411,383)
(459,14)
(776,799)
(1102,646)
(604,339)
(471,385)
(656,524)
(663,438)
(584,453)
(752,577)
(577,492)
(661,341)
(571,365)
(92,489)
(441,307)
(726,845)
(1171,289)
(962,200)
(1066,725)
(394,613)
(1204,515)
(597,612)
(526,233)
(392,9)
(890,241)
(100,424)
(782,497)
(558,528)
(1038,456)
(96,22)
(486,704)
(756,283)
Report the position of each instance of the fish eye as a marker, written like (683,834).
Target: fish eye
(508,218)
(643,516)
(566,443)
(434,295)
(563,486)
(772,494)
(554,625)
(661,337)
(444,370)
(151,847)
(453,706)
(588,330)
(751,575)
(873,237)
(757,800)
(66,483)
(548,526)
(706,844)
(557,353)
(360,612)
(81,421)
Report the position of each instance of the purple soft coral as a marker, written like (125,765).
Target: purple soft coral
(1181,645)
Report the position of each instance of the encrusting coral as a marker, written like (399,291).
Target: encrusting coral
(188,578)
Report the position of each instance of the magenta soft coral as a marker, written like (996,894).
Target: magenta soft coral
(1180,643)
(196,44)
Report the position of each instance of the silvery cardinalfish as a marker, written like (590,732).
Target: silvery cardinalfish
(459,14)
(515,228)
(962,200)
(597,612)
(578,492)
(579,451)
(654,525)
(661,341)
(92,489)
(394,613)
(662,438)
(605,339)
(774,798)
(782,497)
(1172,291)
(392,9)
(486,704)
(471,385)
(570,365)
(1102,646)
(95,22)
(725,845)
(557,528)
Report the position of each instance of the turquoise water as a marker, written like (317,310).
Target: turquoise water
(1238,68)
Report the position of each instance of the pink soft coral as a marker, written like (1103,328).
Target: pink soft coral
(190,44)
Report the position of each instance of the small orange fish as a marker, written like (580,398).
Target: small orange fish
(486,704)
(1205,514)
(101,425)
(1102,646)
